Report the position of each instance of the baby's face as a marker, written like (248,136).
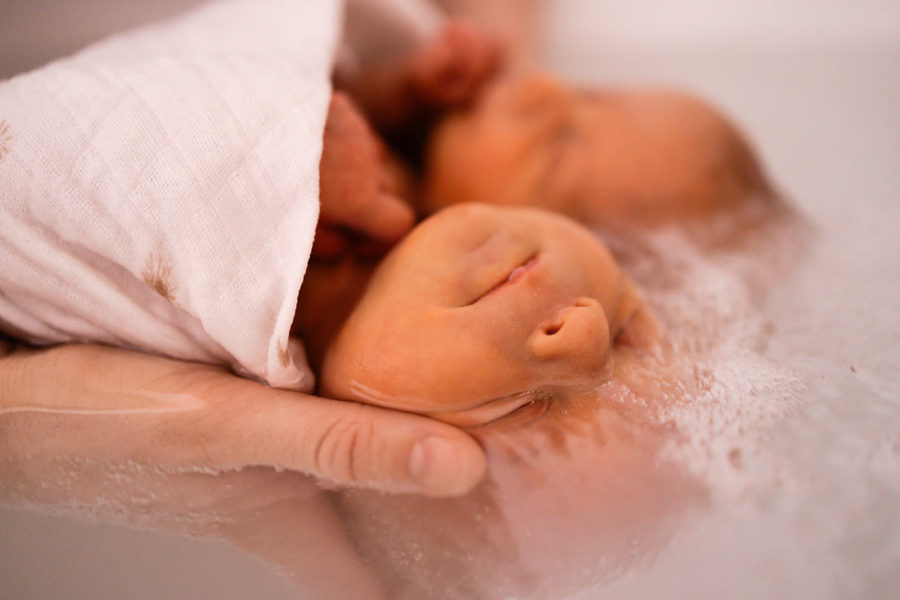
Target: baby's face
(606,157)
(480,305)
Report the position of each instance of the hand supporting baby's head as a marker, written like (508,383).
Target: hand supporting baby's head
(479,306)
(610,157)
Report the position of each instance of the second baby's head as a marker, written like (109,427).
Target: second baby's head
(609,157)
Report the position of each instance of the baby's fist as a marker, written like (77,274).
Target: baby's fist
(359,185)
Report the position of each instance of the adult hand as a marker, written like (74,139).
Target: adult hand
(112,406)
(361,187)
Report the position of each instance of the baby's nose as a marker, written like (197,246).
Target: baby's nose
(578,336)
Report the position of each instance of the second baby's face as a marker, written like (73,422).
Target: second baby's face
(601,156)
(481,305)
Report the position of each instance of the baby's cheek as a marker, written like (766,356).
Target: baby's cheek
(469,161)
(566,187)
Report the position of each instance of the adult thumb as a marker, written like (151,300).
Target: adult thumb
(108,404)
(352,444)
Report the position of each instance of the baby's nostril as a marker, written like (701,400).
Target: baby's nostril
(553,329)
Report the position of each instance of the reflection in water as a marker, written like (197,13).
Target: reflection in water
(565,505)
(282,517)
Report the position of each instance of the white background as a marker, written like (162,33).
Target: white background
(816,84)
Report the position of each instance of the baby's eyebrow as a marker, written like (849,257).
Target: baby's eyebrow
(566,131)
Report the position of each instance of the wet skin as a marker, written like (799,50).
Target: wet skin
(482,311)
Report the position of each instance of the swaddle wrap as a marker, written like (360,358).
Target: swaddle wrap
(160,189)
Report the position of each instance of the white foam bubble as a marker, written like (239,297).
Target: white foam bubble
(734,393)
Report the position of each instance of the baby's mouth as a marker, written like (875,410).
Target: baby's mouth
(516,274)
(519,271)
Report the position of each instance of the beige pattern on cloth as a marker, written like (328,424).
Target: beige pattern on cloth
(160,188)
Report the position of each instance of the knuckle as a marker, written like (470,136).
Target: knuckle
(345,449)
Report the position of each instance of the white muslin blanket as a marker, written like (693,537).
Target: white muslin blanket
(159,190)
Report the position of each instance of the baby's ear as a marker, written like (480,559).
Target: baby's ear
(578,336)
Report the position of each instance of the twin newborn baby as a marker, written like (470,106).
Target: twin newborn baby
(495,302)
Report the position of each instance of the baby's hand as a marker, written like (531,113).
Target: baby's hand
(451,68)
(360,187)
(445,71)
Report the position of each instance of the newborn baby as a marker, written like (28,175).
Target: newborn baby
(609,157)
(479,312)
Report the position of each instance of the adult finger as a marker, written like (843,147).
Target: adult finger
(347,443)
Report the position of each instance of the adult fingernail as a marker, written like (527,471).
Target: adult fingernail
(442,467)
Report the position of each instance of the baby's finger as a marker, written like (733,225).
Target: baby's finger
(395,177)
(453,69)
(385,217)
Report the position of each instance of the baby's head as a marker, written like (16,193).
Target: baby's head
(605,157)
(480,308)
